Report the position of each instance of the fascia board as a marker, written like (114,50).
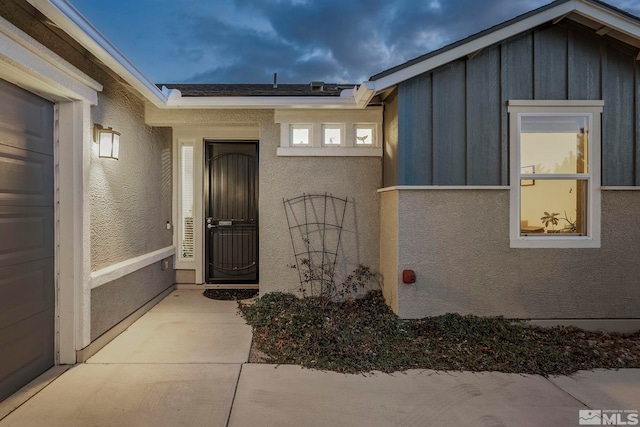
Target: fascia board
(68,19)
(264,102)
(608,18)
(364,94)
(47,73)
(475,45)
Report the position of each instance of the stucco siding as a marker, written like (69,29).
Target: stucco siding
(113,302)
(130,197)
(457,241)
(389,248)
(354,178)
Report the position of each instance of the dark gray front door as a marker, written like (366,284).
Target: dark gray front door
(231,224)
(26,238)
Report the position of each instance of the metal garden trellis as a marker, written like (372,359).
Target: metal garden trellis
(315,221)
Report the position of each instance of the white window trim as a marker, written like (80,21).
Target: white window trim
(309,127)
(594,110)
(336,126)
(374,134)
(317,120)
(184,262)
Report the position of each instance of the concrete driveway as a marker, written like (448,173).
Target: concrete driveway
(184,363)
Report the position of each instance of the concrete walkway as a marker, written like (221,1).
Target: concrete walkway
(184,364)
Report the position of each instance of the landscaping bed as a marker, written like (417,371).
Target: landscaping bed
(364,335)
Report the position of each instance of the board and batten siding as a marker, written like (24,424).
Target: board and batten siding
(453,123)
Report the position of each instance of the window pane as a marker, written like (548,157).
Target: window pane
(186,237)
(549,207)
(364,136)
(554,144)
(300,136)
(332,136)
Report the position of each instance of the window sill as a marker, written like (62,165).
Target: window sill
(330,151)
(560,242)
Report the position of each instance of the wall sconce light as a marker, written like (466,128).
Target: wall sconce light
(109,141)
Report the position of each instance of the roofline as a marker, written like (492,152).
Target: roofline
(594,9)
(69,19)
(64,15)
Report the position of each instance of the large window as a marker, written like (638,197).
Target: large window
(555,173)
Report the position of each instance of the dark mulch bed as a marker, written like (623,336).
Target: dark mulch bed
(231,294)
(364,335)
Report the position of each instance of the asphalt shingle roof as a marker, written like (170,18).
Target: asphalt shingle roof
(194,90)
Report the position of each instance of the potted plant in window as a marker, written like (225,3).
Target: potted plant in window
(553,219)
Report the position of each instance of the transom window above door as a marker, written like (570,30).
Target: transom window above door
(330,132)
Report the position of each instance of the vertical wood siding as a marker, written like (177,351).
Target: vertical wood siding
(618,120)
(637,119)
(453,123)
(516,78)
(417,128)
(449,146)
(483,103)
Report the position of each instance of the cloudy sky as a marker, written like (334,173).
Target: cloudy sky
(246,41)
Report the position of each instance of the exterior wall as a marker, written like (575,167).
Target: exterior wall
(130,199)
(457,241)
(356,178)
(389,247)
(453,124)
(196,126)
(130,206)
(113,302)
(390,129)
(186,277)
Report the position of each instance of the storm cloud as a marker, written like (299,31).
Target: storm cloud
(246,41)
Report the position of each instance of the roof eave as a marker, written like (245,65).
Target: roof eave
(259,102)
(594,10)
(68,19)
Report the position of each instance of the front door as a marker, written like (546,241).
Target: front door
(231,223)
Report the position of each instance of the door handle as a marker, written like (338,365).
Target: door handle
(209,222)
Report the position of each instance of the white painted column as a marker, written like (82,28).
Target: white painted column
(74,293)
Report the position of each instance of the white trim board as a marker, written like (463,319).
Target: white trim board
(442,187)
(121,269)
(330,151)
(585,8)
(30,65)
(68,19)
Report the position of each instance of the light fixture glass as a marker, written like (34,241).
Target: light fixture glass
(109,141)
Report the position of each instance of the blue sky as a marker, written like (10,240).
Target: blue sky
(246,41)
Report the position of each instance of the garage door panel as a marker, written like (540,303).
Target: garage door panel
(27,245)
(26,120)
(27,350)
(27,234)
(26,178)
(25,290)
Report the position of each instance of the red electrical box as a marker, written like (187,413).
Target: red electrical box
(408,276)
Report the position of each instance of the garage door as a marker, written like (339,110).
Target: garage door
(26,238)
